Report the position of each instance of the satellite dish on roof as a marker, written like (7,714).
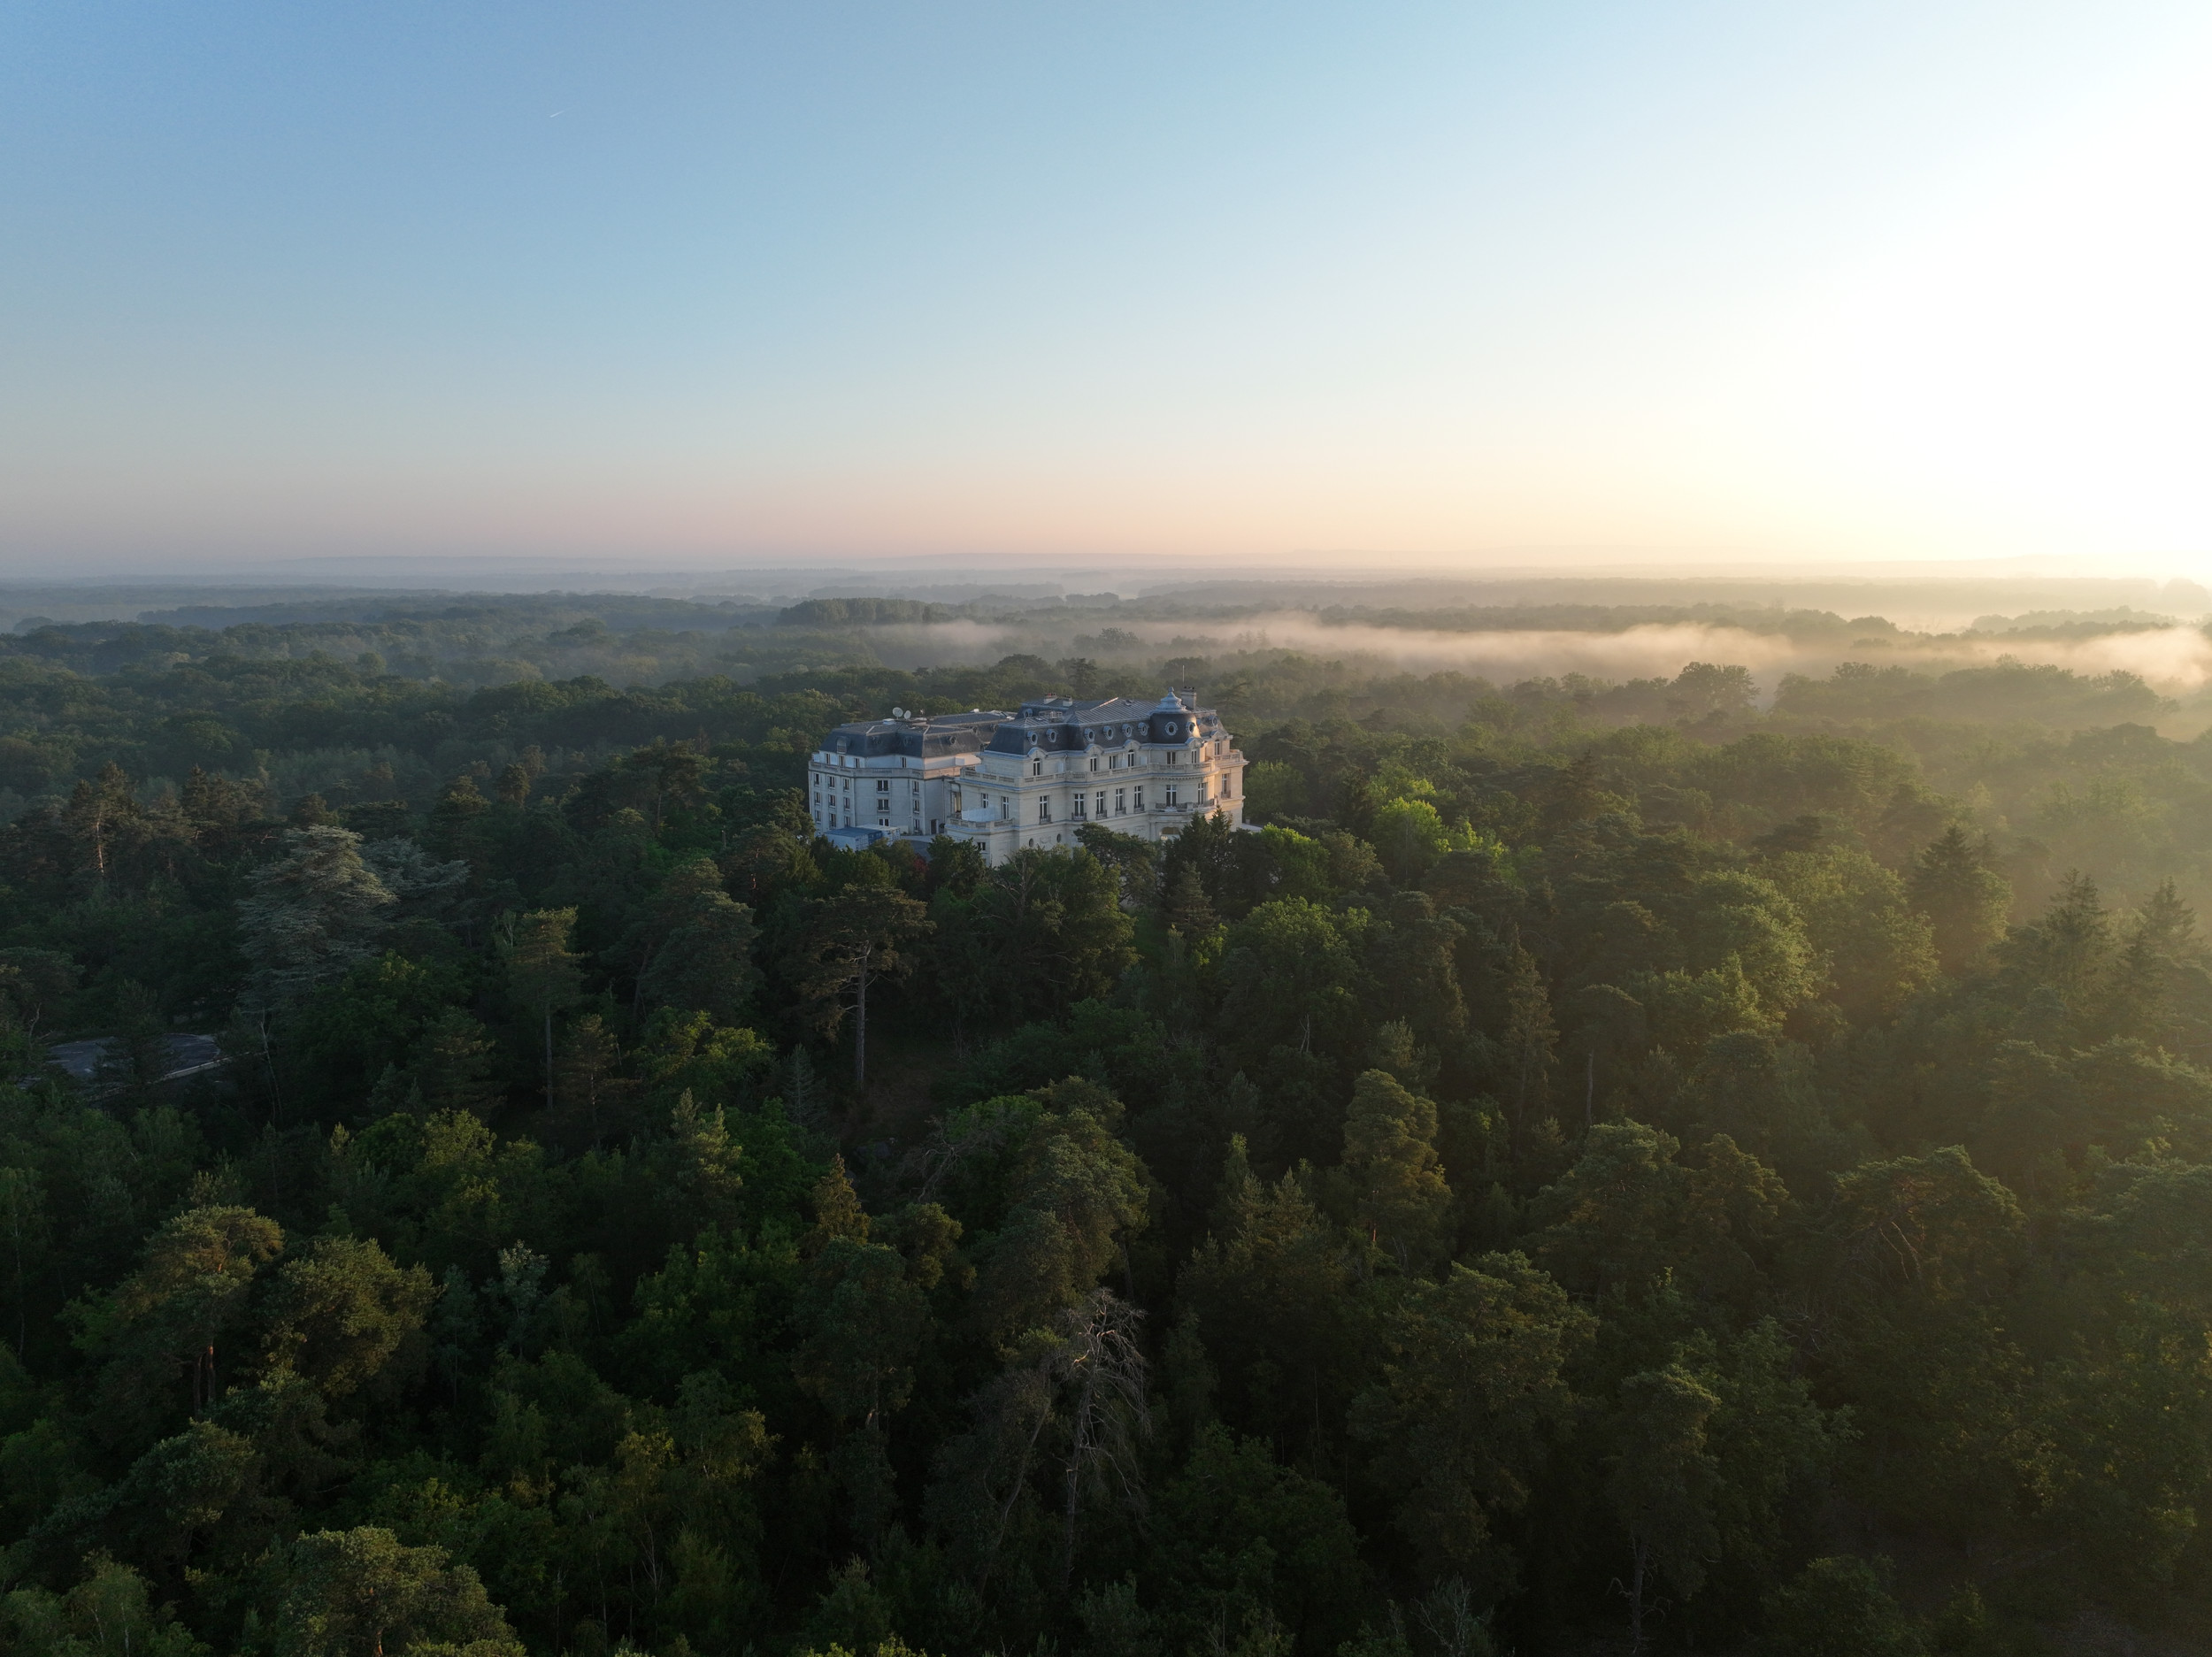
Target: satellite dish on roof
(898,713)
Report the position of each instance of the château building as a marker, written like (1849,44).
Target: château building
(1004,781)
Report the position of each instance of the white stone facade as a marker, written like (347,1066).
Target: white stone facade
(900,774)
(1006,781)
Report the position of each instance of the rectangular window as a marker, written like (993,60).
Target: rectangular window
(1120,805)
(1079,805)
(1113,761)
(883,785)
(1136,797)
(1101,804)
(1044,810)
(1170,794)
(1036,768)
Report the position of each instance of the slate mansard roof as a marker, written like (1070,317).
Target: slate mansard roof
(1053,723)
(919,737)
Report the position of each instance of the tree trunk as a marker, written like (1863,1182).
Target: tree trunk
(22,1314)
(860,1033)
(1013,1493)
(268,1060)
(1636,1601)
(1067,1532)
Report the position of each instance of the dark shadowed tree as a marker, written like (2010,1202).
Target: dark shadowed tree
(842,946)
(543,974)
(1472,1388)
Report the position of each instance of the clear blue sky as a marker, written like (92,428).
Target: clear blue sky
(691,282)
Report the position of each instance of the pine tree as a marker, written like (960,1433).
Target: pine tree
(843,945)
(543,974)
(1390,1154)
(360,1590)
(1526,1045)
(99,808)
(1964,899)
(837,1212)
(314,914)
(589,1089)
(1188,910)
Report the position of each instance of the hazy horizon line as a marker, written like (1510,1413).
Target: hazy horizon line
(378,571)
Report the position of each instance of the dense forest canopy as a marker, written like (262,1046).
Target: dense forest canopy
(1671,1164)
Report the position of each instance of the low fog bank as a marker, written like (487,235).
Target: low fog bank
(1921,603)
(2175,660)
(1589,634)
(1606,629)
